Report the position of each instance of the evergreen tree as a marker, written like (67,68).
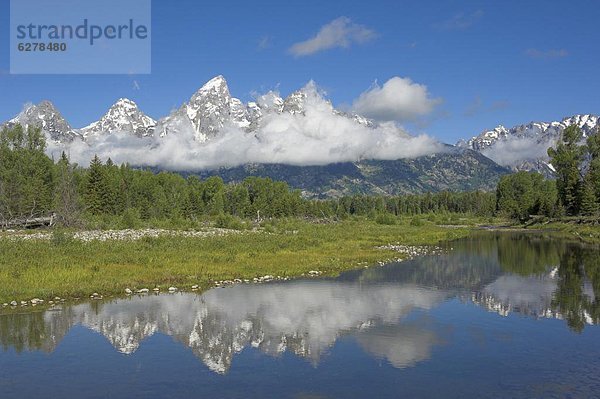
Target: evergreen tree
(95,187)
(593,175)
(566,159)
(66,198)
(589,202)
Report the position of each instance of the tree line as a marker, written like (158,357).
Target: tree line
(32,184)
(575,192)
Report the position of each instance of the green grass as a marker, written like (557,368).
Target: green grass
(571,229)
(67,268)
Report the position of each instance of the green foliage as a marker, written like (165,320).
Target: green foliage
(225,221)
(523,194)
(386,218)
(41,269)
(566,159)
(131,218)
(417,222)
(26,174)
(61,237)
(589,201)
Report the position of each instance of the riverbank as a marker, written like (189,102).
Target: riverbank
(587,231)
(62,266)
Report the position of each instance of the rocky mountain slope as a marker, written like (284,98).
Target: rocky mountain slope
(46,117)
(454,170)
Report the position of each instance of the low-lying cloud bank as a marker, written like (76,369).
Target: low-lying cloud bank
(319,136)
(510,151)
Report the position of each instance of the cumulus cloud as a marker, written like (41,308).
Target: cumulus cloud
(512,151)
(546,54)
(319,136)
(399,99)
(341,32)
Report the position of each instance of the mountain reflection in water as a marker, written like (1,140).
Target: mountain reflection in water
(384,309)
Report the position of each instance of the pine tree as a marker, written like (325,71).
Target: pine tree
(589,202)
(566,159)
(66,199)
(593,148)
(95,187)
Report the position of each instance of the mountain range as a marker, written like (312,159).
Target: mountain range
(213,118)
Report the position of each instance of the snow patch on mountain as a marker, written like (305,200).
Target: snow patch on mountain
(215,130)
(46,117)
(123,116)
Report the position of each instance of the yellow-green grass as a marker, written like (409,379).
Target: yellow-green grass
(70,268)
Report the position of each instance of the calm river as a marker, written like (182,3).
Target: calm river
(496,315)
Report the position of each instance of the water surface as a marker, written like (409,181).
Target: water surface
(498,315)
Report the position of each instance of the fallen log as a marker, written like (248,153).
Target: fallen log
(29,223)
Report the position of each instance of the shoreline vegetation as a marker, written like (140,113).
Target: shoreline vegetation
(42,268)
(61,266)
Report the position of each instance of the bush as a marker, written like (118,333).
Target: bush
(226,221)
(61,237)
(385,218)
(131,218)
(416,221)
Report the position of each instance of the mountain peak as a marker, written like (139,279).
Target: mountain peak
(46,104)
(125,103)
(217,84)
(123,116)
(45,116)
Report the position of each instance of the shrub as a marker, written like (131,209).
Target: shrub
(131,218)
(385,218)
(226,221)
(416,221)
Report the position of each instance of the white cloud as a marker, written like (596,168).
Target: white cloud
(318,137)
(341,32)
(399,99)
(512,151)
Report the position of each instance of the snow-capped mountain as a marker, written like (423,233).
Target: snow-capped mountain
(524,147)
(209,110)
(46,117)
(123,116)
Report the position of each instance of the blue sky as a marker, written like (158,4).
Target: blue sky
(483,62)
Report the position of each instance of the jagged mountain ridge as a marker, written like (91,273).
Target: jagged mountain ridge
(212,109)
(538,135)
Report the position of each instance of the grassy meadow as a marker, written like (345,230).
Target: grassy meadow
(70,268)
